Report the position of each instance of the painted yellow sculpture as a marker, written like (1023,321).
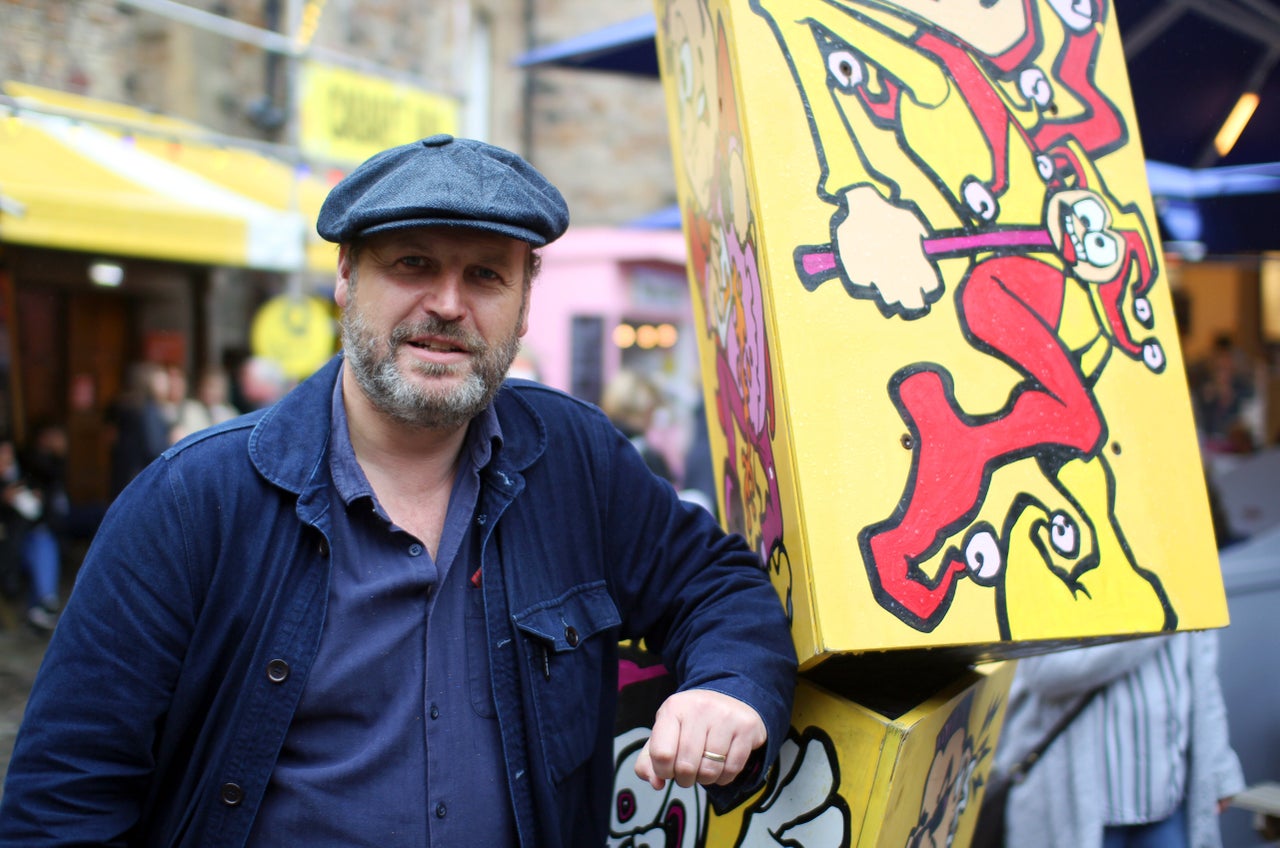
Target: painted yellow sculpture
(949,405)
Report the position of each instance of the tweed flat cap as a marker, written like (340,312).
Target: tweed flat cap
(449,182)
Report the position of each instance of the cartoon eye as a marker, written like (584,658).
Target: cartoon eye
(626,805)
(1091,213)
(1101,250)
(845,69)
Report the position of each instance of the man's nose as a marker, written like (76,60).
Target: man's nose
(443,297)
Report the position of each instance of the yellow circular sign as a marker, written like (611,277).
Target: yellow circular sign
(296,332)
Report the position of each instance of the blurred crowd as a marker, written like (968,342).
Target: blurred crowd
(41,529)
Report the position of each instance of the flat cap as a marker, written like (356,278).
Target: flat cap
(442,181)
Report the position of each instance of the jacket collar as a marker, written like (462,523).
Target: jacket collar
(289,444)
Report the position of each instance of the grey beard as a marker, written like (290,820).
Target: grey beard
(378,375)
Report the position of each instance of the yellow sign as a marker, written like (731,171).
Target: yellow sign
(296,332)
(349,116)
(935,327)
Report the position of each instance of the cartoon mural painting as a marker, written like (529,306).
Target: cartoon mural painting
(959,150)
(954,774)
(725,267)
(800,804)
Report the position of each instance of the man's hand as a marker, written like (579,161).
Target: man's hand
(690,726)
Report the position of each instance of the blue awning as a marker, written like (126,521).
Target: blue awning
(663,219)
(627,47)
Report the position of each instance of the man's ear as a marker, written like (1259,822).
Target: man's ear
(342,284)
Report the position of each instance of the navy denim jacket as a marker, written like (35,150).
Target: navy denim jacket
(174,673)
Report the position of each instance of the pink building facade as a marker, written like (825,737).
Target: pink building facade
(611,298)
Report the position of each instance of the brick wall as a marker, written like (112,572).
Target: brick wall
(602,138)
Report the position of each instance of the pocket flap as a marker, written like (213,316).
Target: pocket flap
(565,622)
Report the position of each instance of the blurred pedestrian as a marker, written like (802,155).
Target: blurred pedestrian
(140,422)
(26,521)
(1145,764)
(214,391)
(631,400)
(262,382)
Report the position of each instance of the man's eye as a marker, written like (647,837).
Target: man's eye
(413,261)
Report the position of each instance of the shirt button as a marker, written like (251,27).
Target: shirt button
(435,711)
(571,636)
(415,549)
(277,671)
(231,794)
(441,810)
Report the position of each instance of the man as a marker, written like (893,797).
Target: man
(385,611)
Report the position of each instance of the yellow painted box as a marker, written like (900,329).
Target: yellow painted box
(947,401)
(911,770)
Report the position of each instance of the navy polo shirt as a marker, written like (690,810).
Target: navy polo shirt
(395,741)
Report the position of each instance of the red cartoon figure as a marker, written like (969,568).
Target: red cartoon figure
(943,138)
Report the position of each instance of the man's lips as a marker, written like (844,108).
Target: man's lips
(437,345)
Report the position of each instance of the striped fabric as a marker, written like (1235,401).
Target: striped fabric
(1146,718)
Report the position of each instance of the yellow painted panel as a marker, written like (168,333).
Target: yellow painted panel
(936,327)
(848,775)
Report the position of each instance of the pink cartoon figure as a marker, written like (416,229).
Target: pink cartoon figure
(723,258)
(938,131)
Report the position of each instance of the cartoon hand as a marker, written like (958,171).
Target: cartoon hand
(1142,311)
(879,249)
(1153,356)
(802,807)
(1078,15)
(1035,86)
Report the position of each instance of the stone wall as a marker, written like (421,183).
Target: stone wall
(601,137)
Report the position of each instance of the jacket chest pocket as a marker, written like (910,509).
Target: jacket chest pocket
(568,641)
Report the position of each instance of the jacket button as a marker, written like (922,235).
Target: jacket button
(277,671)
(232,794)
(435,711)
(571,636)
(441,810)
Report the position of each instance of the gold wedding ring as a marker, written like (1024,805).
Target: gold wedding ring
(715,758)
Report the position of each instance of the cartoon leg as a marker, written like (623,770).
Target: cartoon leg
(1103,587)
(1008,306)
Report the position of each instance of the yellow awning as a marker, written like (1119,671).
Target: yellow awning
(135,184)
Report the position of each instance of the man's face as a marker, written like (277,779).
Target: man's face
(435,320)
